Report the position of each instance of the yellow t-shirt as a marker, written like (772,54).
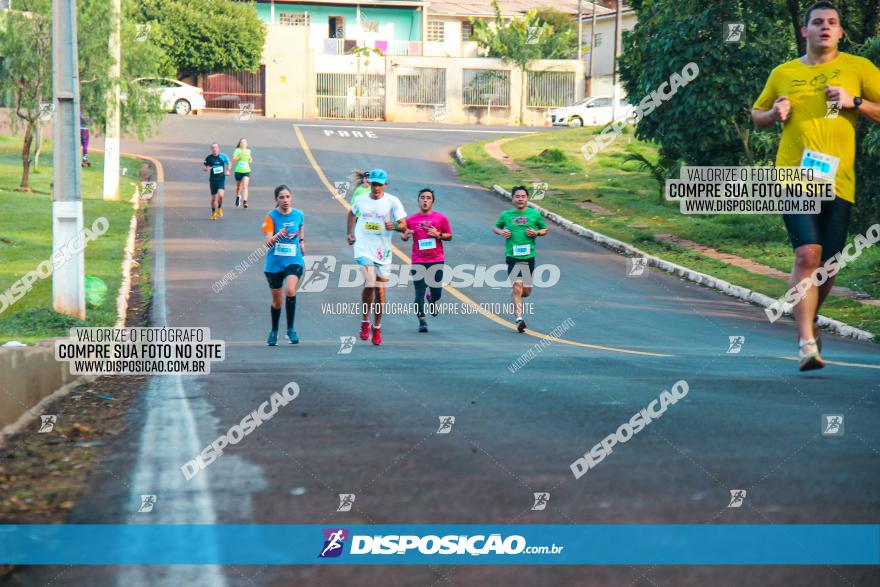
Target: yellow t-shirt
(812,124)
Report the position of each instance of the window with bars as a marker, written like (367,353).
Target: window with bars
(467,31)
(425,86)
(293,19)
(371,26)
(597,40)
(549,89)
(486,86)
(436,31)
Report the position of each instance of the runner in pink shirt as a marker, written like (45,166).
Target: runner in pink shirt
(429,229)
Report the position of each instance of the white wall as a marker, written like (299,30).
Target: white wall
(604,54)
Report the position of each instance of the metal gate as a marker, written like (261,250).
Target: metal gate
(233,90)
(351,96)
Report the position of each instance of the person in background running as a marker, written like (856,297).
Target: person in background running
(284,236)
(84,122)
(819,130)
(372,219)
(429,230)
(362,184)
(217,165)
(242,158)
(520,226)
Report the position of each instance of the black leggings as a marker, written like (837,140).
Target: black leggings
(422,286)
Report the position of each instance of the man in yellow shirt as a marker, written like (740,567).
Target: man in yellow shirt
(818,98)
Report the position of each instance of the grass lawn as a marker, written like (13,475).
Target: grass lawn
(638,214)
(26,240)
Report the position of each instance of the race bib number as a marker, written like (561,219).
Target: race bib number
(285,249)
(374,228)
(217,169)
(521,250)
(824,166)
(427,243)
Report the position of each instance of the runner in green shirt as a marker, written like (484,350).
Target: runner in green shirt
(242,159)
(520,226)
(362,185)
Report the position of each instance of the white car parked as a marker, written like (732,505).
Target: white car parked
(176,96)
(592,111)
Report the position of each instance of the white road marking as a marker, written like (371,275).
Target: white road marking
(168,440)
(419,129)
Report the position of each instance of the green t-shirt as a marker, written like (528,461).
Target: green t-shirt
(520,246)
(244,160)
(361,189)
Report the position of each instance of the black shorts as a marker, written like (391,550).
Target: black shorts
(276,280)
(519,266)
(217,184)
(827,229)
(240,176)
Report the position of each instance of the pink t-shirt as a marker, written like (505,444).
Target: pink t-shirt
(427,249)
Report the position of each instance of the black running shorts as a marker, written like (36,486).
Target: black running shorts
(828,228)
(276,280)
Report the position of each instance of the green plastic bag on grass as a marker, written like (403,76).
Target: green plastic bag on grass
(96,291)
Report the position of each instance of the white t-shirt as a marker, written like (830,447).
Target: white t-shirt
(372,240)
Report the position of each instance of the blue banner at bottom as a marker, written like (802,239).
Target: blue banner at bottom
(423,544)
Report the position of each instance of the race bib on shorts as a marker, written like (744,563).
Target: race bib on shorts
(521,250)
(217,169)
(285,249)
(374,228)
(427,243)
(824,166)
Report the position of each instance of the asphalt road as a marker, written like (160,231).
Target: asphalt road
(366,421)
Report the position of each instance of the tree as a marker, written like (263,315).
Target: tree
(703,122)
(521,41)
(708,121)
(26,44)
(204,36)
(560,21)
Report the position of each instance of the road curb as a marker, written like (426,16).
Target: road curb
(459,158)
(736,291)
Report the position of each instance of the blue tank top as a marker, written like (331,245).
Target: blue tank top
(286,251)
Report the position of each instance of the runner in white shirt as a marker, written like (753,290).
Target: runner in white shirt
(372,219)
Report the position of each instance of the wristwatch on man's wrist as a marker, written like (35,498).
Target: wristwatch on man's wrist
(857,101)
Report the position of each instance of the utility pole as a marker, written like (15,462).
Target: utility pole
(68,280)
(592,49)
(617,32)
(111,140)
(580,30)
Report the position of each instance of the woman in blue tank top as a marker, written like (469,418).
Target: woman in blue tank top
(283,237)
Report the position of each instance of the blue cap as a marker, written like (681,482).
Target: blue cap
(378,176)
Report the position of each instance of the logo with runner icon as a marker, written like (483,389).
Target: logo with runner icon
(542,498)
(346,500)
(539,190)
(637,267)
(341,188)
(446,423)
(245,111)
(334,542)
(832,424)
(316,276)
(346,345)
(147,503)
(737,497)
(736,344)
(47,423)
(734,32)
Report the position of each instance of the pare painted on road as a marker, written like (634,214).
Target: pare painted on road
(354,134)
